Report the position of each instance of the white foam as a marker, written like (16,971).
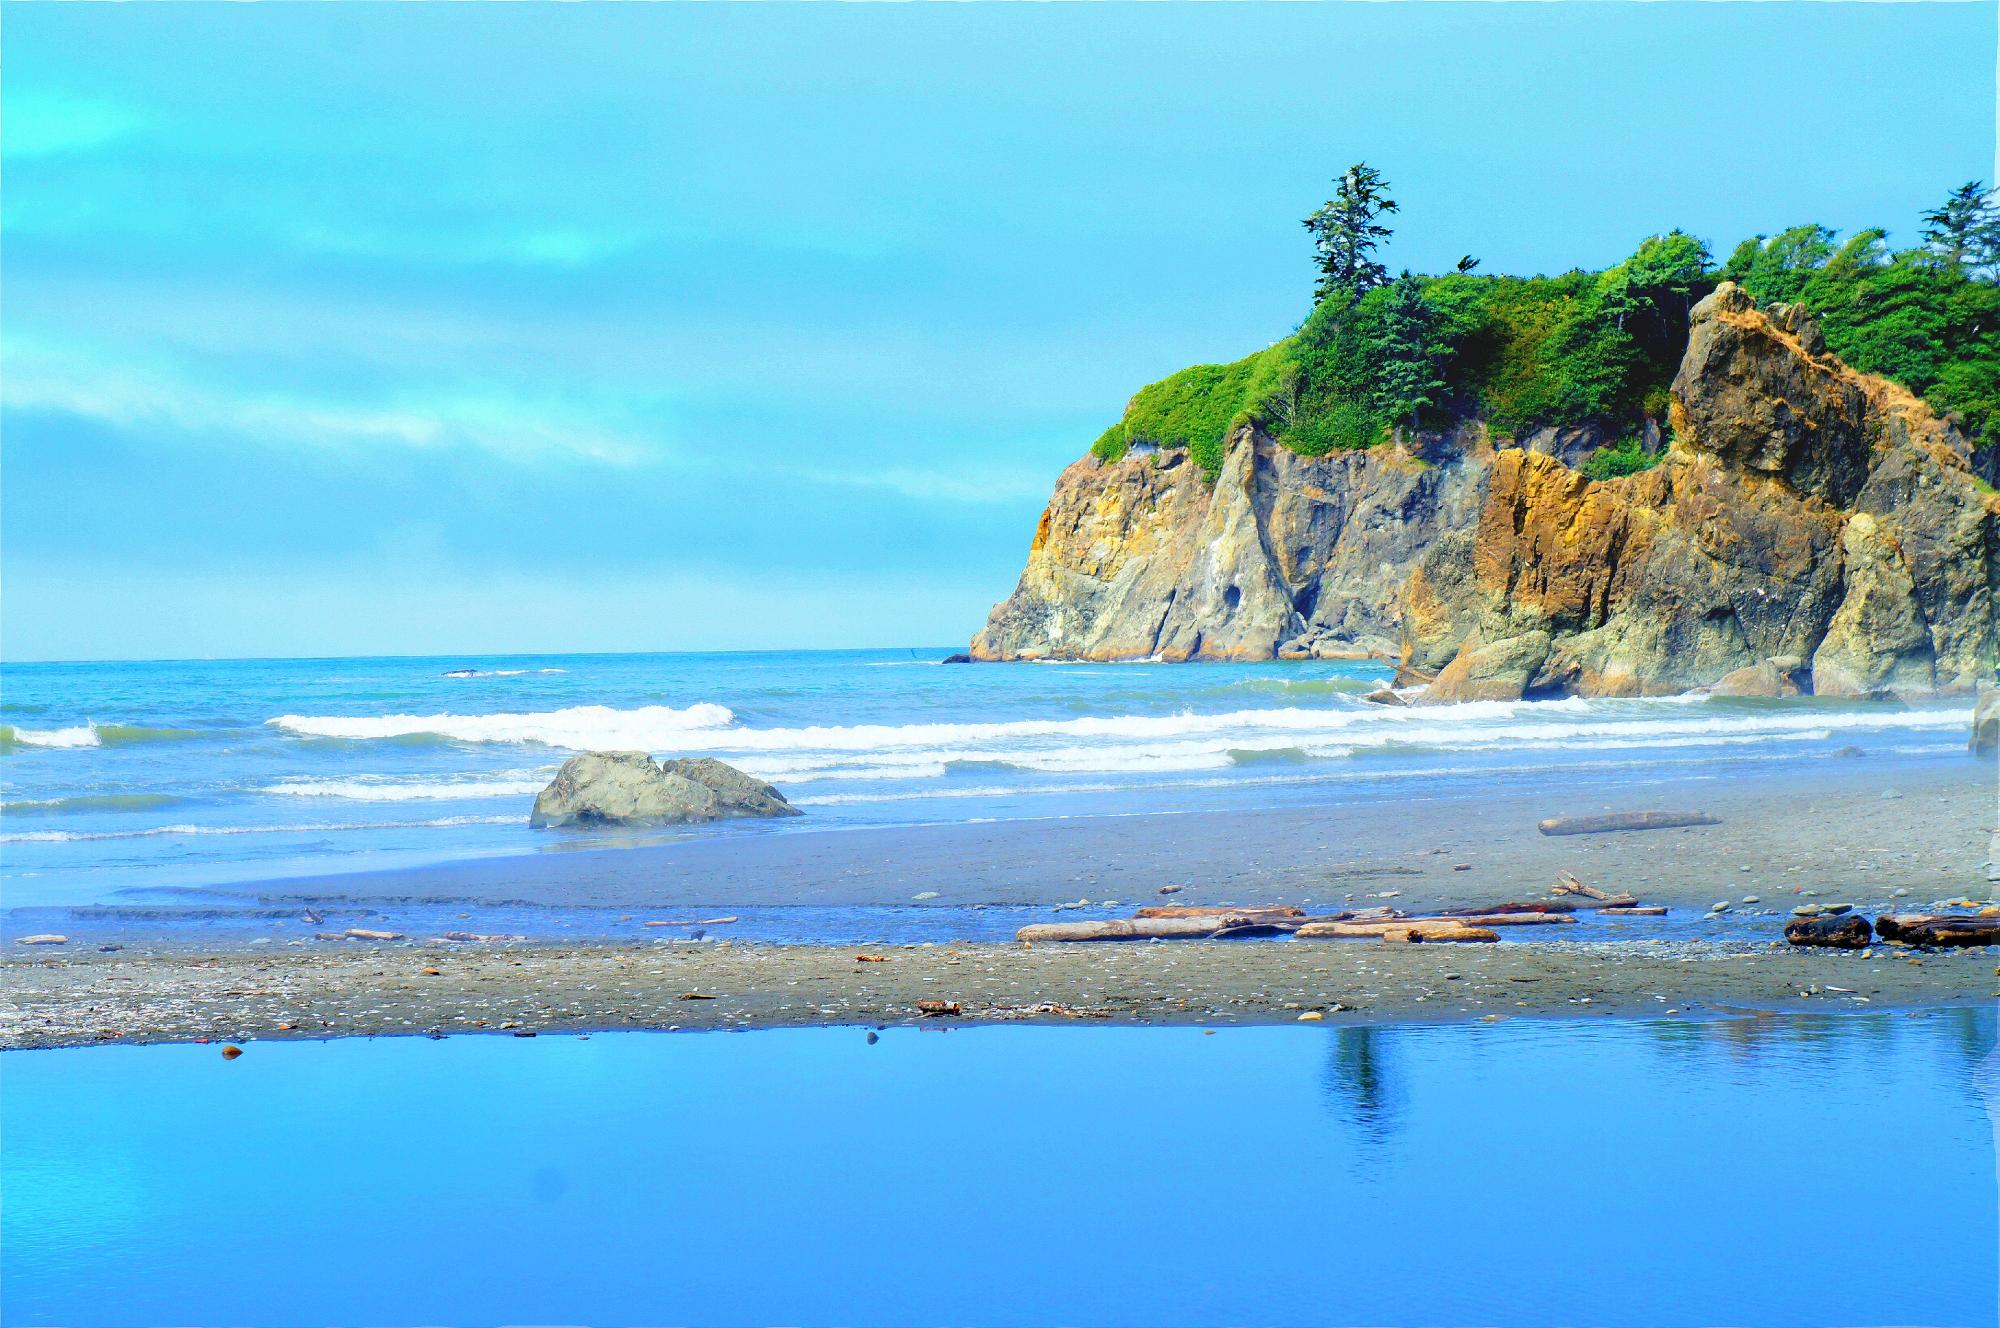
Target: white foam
(578,728)
(1135,745)
(314,828)
(382,789)
(80,735)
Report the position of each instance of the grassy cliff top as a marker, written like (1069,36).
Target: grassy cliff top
(1583,348)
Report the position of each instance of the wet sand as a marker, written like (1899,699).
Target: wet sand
(177,993)
(1859,828)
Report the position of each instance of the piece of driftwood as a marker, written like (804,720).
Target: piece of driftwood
(1217,911)
(1503,919)
(1844,932)
(690,922)
(365,934)
(1540,906)
(1634,911)
(1126,929)
(1936,929)
(1421,928)
(1568,884)
(1597,825)
(937,1007)
(46,938)
(1406,935)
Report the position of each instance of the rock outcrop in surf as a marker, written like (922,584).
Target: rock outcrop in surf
(1808,527)
(630,788)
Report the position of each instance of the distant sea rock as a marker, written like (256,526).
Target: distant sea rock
(630,788)
(1802,512)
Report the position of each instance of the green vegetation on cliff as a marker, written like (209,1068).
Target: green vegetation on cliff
(1596,349)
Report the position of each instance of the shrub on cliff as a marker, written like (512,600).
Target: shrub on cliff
(1197,407)
(1927,317)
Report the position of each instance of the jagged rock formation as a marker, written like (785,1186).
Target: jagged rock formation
(630,788)
(1808,526)
(1284,556)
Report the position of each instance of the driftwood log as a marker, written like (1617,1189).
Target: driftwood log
(1124,929)
(1502,919)
(1567,884)
(1399,929)
(1540,906)
(1634,911)
(1425,935)
(1938,929)
(1845,932)
(1597,825)
(1259,912)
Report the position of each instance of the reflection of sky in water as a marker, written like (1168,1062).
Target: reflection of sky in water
(1618,1172)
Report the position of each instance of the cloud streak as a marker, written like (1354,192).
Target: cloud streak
(125,397)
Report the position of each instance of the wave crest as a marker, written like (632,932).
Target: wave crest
(91,734)
(578,728)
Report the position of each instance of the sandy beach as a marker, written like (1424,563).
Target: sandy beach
(1861,828)
(179,994)
(259,961)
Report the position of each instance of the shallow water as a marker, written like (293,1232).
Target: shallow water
(1736,1171)
(119,776)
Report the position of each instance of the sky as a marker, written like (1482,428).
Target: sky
(462,329)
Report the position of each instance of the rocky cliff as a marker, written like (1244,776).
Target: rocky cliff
(1808,527)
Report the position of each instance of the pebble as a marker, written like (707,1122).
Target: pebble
(1890,795)
(922,895)
(1751,899)
(1719,906)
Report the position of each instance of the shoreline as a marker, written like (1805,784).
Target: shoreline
(1859,826)
(178,993)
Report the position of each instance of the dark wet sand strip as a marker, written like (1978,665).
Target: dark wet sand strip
(178,993)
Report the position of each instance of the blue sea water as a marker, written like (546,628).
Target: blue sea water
(1758,1171)
(164,773)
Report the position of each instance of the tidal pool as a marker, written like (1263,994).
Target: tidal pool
(1780,1170)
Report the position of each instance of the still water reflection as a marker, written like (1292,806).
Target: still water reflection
(1744,1171)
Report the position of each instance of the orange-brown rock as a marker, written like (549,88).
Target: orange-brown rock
(1804,512)
(1808,527)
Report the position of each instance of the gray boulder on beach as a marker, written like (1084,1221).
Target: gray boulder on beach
(631,788)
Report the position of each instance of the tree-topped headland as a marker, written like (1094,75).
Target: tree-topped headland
(1378,356)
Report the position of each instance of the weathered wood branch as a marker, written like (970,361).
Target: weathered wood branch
(1938,929)
(1597,825)
(1844,932)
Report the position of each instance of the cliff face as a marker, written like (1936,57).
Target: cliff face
(1804,512)
(1285,556)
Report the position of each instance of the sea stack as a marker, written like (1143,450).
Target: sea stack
(1804,527)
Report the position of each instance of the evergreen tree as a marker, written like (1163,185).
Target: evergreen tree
(1346,229)
(1964,234)
(1403,350)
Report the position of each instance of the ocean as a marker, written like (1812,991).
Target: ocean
(158,774)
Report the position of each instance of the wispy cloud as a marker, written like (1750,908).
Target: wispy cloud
(40,378)
(560,247)
(51,124)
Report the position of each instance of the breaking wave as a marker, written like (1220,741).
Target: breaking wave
(310,828)
(91,734)
(89,803)
(384,789)
(578,728)
(1136,744)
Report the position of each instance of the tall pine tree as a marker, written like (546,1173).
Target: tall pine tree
(1347,228)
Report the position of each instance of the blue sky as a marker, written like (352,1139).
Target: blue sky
(485,328)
